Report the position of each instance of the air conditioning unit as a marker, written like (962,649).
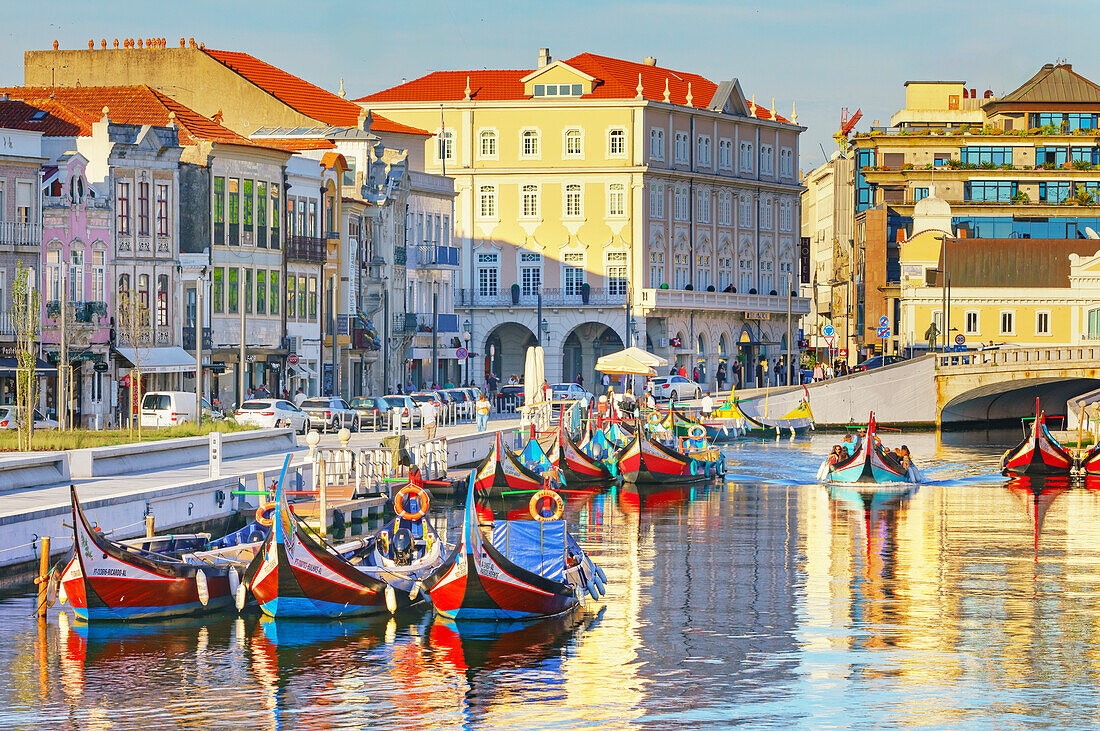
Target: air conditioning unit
(662,343)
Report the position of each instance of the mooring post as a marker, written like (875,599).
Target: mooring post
(43,579)
(322,517)
(150,525)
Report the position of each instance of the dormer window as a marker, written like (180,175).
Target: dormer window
(559,89)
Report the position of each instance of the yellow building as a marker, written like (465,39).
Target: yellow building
(626,196)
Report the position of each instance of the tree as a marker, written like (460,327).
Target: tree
(26,305)
(136,329)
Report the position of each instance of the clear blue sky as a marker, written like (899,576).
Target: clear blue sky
(824,54)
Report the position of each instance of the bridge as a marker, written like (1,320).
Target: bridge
(948,388)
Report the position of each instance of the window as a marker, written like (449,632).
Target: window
(702,205)
(446,230)
(786,162)
(311,224)
(261,214)
(261,292)
(232,291)
(573,205)
(1055,192)
(530,273)
(656,269)
(53,275)
(529,201)
(702,150)
(572,273)
(218,289)
(725,208)
(786,215)
(273,289)
(529,143)
(681,271)
(162,300)
(1008,322)
(292,297)
(614,272)
(745,276)
(76,274)
(1066,122)
(767,277)
(487,146)
(702,272)
(725,273)
(143,297)
(123,283)
(488,274)
(24,195)
(616,143)
(616,199)
(745,157)
(3,208)
(680,203)
(487,201)
(657,144)
(766,213)
(786,275)
(445,146)
(247,290)
(682,147)
(657,200)
(971,323)
(559,89)
(725,154)
(1042,322)
(234,212)
(1094,324)
(162,209)
(143,209)
(998,191)
(246,210)
(274,189)
(986,155)
(312,299)
(122,207)
(99,276)
(744,212)
(919,194)
(574,143)
(766,160)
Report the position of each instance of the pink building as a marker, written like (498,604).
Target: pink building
(76,264)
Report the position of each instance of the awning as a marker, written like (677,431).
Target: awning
(303,370)
(426,353)
(630,361)
(8,367)
(169,359)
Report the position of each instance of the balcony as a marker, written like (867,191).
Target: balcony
(15,233)
(429,256)
(189,338)
(405,323)
(678,299)
(309,249)
(7,326)
(446,323)
(90,313)
(554,297)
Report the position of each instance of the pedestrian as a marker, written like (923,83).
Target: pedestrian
(606,380)
(819,373)
(580,380)
(778,371)
(708,404)
(683,372)
(720,376)
(762,373)
(737,373)
(428,414)
(695,374)
(672,371)
(481,409)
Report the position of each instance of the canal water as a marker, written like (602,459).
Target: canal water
(768,601)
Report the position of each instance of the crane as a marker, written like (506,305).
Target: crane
(846,125)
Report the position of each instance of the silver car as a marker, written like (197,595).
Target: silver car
(329,413)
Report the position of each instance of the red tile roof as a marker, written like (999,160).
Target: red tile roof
(618,79)
(15,114)
(302,96)
(293,144)
(83,106)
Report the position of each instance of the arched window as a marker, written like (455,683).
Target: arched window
(529,143)
(445,145)
(162,300)
(616,143)
(76,273)
(143,297)
(574,143)
(488,143)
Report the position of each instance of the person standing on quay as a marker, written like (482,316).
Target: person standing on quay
(481,409)
(428,414)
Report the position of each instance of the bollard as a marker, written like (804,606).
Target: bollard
(344,435)
(260,484)
(150,526)
(43,579)
(322,517)
(215,454)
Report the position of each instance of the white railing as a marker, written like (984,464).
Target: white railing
(979,359)
(15,233)
(725,301)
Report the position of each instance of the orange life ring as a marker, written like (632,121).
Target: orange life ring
(533,505)
(423,497)
(261,519)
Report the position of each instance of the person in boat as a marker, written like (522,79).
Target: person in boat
(850,444)
(902,455)
(550,478)
(836,455)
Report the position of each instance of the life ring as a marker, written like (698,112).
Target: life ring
(261,518)
(654,418)
(697,431)
(533,505)
(422,497)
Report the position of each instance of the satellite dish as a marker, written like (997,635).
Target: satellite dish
(1090,233)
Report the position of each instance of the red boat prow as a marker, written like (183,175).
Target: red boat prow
(1039,454)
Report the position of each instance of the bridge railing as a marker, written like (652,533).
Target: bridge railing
(980,359)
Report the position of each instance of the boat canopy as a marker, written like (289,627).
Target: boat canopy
(536,546)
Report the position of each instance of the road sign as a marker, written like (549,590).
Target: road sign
(250,358)
(292,359)
(884,321)
(960,339)
(884,331)
(843,352)
(100,367)
(829,341)
(124,381)
(461,353)
(828,331)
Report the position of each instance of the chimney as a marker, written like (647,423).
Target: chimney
(649,61)
(544,57)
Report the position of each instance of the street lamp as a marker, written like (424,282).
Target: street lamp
(466,341)
(546,330)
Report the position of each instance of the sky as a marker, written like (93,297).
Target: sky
(820,54)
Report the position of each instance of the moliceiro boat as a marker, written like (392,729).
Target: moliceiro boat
(869,463)
(109,580)
(796,421)
(646,460)
(515,569)
(503,471)
(576,465)
(1040,454)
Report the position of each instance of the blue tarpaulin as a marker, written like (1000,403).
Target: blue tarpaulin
(537,547)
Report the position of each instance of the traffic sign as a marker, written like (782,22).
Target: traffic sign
(960,339)
(884,331)
(829,341)
(461,353)
(292,359)
(884,321)
(124,381)
(828,331)
(843,352)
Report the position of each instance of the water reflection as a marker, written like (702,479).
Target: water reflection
(766,601)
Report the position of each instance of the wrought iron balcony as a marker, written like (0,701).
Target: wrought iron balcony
(404,323)
(552,297)
(429,256)
(309,249)
(189,338)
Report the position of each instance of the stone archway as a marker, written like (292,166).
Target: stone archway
(506,351)
(582,347)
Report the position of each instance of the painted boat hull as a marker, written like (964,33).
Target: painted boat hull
(1039,454)
(645,461)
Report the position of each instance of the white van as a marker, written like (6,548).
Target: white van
(167,408)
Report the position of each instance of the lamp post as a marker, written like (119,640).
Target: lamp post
(466,341)
(545,329)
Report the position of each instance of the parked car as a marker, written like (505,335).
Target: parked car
(9,419)
(510,398)
(373,411)
(568,392)
(410,413)
(676,388)
(270,413)
(877,362)
(464,407)
(167,408)
(329,413)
